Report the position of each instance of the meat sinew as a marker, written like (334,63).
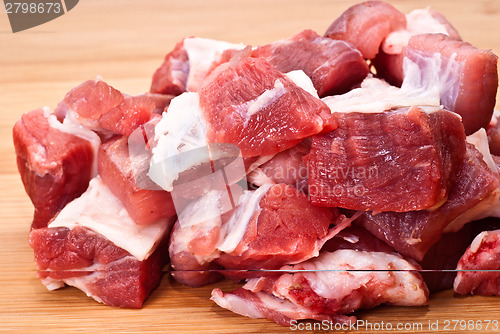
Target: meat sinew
(467,76)
(395,161)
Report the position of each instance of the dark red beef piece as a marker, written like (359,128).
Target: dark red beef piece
(55,166)
(334,66)
(413,233)
(394,161)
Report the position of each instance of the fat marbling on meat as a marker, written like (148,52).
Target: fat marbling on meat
(357,271)
(95,246)
(271,226)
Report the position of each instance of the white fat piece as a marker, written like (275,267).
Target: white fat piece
(419,21)
(302,80)
(269,96)
(100,211)
(489,206)
(236,304)
(335,275)
(180,130)
(480,140)
(232,232)
(429,81)
(375,95)
(202,54)
(204,214)
(70,126)
(86,282)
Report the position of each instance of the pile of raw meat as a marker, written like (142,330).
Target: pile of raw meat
(323,172)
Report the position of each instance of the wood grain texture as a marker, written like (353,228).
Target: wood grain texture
(124,42)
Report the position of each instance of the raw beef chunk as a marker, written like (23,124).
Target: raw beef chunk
(467,76)
(395,161)
(88,261)
(95,246)
(442,258)
(389,60)
(413,233)
(334,66)
(366,25)
(186,67)
(102,108)
(55,165)
(256,107)
(332,285)
(271,226)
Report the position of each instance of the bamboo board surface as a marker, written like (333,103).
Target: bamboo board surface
(124,42)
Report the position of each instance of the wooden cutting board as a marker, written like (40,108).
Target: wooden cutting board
(124,42)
